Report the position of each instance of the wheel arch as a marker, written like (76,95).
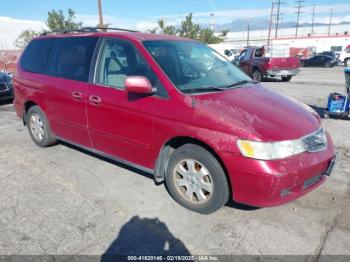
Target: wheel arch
(171,145)
(26,106)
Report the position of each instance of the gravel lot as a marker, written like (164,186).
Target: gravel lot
(62,200)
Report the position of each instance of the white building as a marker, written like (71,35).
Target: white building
(337,40)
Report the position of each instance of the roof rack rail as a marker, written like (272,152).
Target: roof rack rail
(87,30)
(114,29)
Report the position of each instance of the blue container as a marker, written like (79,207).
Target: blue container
(337,103)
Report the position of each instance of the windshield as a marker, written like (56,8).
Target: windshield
(193,66)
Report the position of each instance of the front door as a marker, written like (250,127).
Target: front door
(121,123)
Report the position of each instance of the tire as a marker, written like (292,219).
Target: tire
(39,128)
(328,65)
(257,75)
(286,78)
(301,64)
(207,173)
(347,62)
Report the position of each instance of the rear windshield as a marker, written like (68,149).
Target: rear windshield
(68,57)
(193,65)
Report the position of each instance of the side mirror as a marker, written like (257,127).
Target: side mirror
(138,85)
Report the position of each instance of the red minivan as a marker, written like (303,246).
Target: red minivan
(175,108)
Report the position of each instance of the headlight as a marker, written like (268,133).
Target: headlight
(270,150)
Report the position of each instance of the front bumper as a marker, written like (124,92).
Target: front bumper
(286,72)
(271,183)
(6,91)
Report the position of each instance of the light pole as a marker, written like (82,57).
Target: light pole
(100,16)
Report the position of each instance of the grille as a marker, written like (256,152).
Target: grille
(316,141)
(3,87)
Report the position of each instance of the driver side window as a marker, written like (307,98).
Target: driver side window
(119,59)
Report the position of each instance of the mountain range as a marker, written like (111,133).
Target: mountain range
(238,25)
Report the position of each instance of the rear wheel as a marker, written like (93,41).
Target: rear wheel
(257,75)
(39,128)
(302,64)
(196,180)
(286,78)
(328,65)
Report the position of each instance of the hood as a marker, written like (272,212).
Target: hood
(256,113)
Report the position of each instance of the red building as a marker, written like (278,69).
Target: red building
(8,59)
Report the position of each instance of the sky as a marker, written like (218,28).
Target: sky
(144,14)
(18,15)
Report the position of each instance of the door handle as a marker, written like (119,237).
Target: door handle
(77,95)
(95,100)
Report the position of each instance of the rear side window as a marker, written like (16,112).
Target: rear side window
(35,57)
(71,58)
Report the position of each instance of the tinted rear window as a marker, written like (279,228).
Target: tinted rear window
(71,57)
(35,57)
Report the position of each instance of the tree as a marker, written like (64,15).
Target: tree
(207,36)
(166,29)
(56,21)
(153,31)
(224,32)
(23,39)
(189,29)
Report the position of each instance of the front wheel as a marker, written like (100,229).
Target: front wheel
(286,78)
(196,180)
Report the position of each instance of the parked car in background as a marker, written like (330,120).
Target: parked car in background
(175,109)
(6,89)
(258,64)
(329,53)
(226,50)
(345,56)
(319,61)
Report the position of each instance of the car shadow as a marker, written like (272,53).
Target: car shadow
(321,111)
(111,161)
(146,237)
(239,206)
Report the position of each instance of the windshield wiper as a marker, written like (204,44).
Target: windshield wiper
(203,89)
(242,82)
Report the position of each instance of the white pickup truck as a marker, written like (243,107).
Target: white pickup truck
(345,56)
(226,50)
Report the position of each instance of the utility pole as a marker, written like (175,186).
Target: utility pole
(100,16)
(278,15)
(330,22)
(270,25)
(248,35)
(299,2)
(313,19)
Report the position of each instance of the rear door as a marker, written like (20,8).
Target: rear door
(66,87)
(121,123)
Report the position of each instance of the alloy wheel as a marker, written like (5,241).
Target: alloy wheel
(36,127)
(193,181)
